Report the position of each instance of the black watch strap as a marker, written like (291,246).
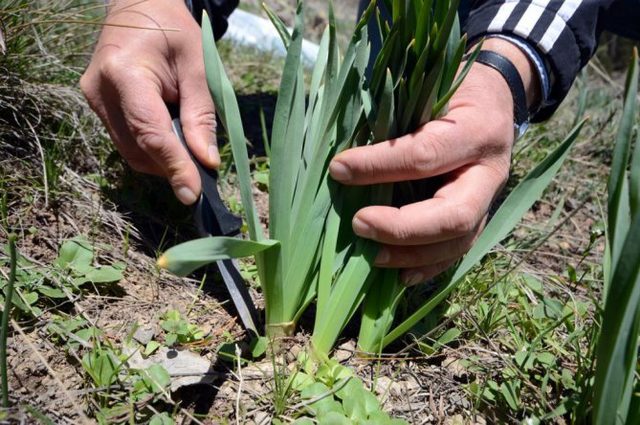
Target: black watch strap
(510,73)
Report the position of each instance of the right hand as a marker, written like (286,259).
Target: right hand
(135,72)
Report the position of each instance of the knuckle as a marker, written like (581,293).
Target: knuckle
(202,117)
(178,171)
(441,267)
(115,64)
(85,84)
(463,219)
(400,232)
(500,171)
(150,140)
(462,246)
(424,155)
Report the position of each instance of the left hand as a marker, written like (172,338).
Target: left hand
(470,146)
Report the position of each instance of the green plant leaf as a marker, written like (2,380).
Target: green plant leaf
(161,419)
(258,346)
(50,292)
(619,209)
(229,113)
(75,254)
(334,418)
(183,259)
(156,377)
(104,274)
(151,348)
(617,344)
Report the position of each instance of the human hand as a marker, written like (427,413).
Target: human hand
(470,147)
(135,71)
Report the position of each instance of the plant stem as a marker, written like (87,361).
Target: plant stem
(5,321)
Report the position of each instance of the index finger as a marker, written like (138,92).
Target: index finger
(465,135)
(437,148)
(455,211)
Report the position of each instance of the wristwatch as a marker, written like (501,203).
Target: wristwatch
(511,75)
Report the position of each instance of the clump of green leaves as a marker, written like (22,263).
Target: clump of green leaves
(331,393)
(616,398)
(178,330)
(121,393)
(75,267)
(311,253)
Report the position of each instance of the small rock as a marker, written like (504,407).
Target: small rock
(186,368)
(262,418)
(383,385)
(454,420)
(345,351)
(479,420)
(455,366)
(144,334)
(387,386)
(295,351)
(263,370)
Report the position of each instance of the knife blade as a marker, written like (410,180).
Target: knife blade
(212,218)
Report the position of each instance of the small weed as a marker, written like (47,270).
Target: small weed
(328,393)
(74,267)
(121,393)
(178,331)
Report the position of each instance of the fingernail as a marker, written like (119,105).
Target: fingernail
(363,229)
(339,171)
(186,195)
(413,278)
(383,256)
(214,156)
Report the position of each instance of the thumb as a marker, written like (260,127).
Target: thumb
(198,118)
(149,123)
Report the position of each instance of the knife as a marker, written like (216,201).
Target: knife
(212,218)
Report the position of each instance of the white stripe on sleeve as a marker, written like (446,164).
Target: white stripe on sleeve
(530,17)
(501,17)
(558,24)
(568,8)
(552,34)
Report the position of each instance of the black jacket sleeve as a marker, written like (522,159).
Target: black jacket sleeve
(564,32)
(218,11)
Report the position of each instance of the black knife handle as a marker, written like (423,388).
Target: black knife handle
(211,215)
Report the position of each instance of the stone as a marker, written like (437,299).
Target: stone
(345,351)
(262,418)
(144,334)
(455,366)
(185,367)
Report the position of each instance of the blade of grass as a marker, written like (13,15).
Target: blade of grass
(284,160)
(618,203)
(229,112)
(282,29)
(6,313)
(617,344)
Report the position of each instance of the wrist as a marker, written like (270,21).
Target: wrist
(526,68)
